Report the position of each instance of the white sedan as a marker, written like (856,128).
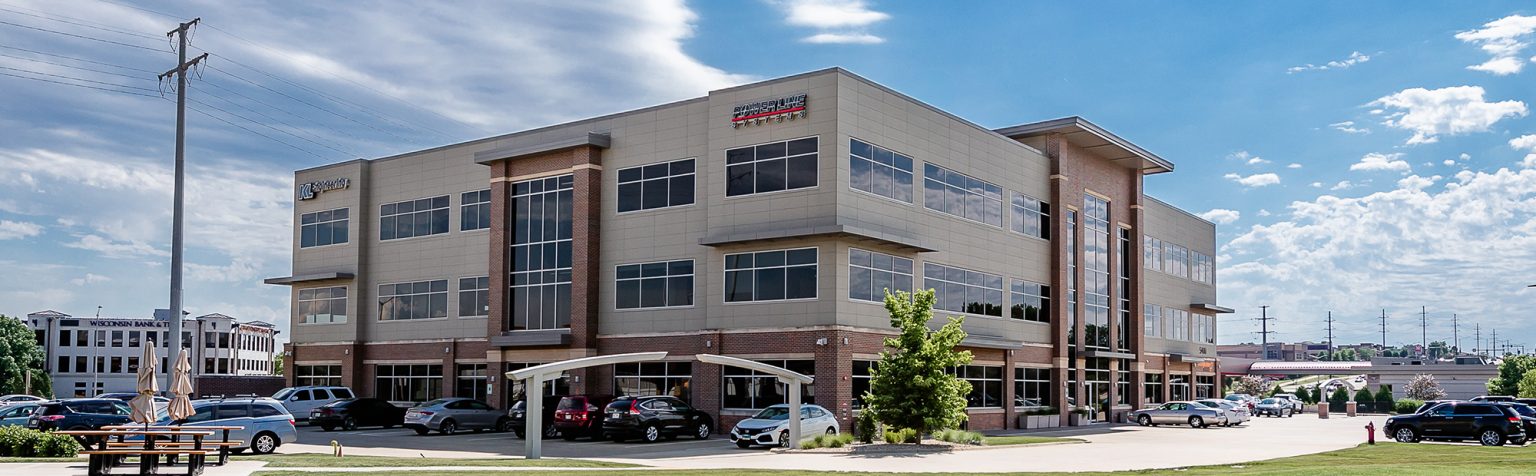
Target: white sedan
(1237,413)
(14,399)
(770,427)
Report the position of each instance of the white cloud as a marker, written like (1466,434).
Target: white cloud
(1452,111)
(1448,162)
(1257,161)
(1293,165)
(1342,185)
(1317,185)
(1348,127)
(1378,162)
(1464,156)
(1504,39)
(837,21)
(89,278)
(1265,212)
(1221,216)
(115,248)
(10,230)
(1415,182)
(1526,143)
(1354,58)
(1255,180)
(238,271)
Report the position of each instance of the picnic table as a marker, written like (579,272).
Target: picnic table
(104,455)
(223,445)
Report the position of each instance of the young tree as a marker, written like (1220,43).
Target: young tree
(1424,387)
(1528,385)
(1254,385)
(1338,398)
(277,364)
(1511,371)
(911,387)
(20,355)
(1384,398)
(1303,394)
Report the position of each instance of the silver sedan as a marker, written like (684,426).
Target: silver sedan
(1179,413)
(447,415)
(1237,412)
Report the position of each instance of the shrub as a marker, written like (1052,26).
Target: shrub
(1251,385)
(1365,396)
(1406,406)
(902,435)
(1042,411)
(1424,387)
(961,437)
(1384,397)
(58,446)
(866,427)
(21,442)
(827,441)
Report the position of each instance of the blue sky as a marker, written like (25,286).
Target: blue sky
(1357,156)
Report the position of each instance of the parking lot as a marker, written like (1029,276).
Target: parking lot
(466,444)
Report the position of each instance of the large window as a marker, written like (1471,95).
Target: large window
(963,290)
(1204,268)
(1031,216)
(1205,328)
(1031,301)
(1123,323)
(475,296)
(961,195)
(418,300)
(323,228)
(654,285)
(771,167)
(541,253)
(1175,260)
(412,218)
(1152,320)
(770,275)
(1205,386)
(323,305)
(475,210)
(1175,324)
(880,171)
(409,383)
(648,187)
(1153,386)
(654,378)
(750,389)
(471,382)
(1032,387)
(1072,277)
(872,273)
(986,385)
(1151,253)
(317,375)
(860,381)
(1096,276)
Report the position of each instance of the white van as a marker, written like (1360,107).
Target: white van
(300,400)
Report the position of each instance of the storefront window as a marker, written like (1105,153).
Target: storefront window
(1031,388)
(986,385)
(317,375)
(654,378)
(471,382)
(750,389)
(409,383)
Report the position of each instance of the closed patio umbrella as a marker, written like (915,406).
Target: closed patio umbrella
(143,406)
(180,407)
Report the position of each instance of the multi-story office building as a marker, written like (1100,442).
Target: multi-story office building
(762,221)
(91,355)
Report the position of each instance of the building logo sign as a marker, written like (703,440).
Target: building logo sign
(313,189)
(125,323)
(775,110)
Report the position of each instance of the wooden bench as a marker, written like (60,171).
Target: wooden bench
(224,449)
(101,461)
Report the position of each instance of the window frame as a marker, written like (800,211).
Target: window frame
(459,291)
(301,313)
(1043,215)
(446,291)
(464,204)
(1001,220)
(911,277)
(1001,389)
(725,263)
(618,183)
(447,208)
(1004,289)
(317,222)
(1044,297)
(693,284)
(727,165)
(876,163)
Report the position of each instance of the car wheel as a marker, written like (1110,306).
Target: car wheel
(503,424)
(264,443)
(702,431)
(831,431)
(349,424)
(1196,422)
(1144,420)
(327,427)
(784,439)
(550,431)
(652,434)
(520,433)
(448,427)
(1406,435)
(743,444)
(421,431)
(1491,438)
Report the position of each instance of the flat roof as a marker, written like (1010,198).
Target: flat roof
(1095,139)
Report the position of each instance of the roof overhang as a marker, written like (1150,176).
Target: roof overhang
(305,278)
(1095,139)
(593,139)
(851,231)
(1191,359)
(1200,306)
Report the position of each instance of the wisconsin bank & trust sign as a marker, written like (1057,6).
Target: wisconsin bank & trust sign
(776,110)
(313,189)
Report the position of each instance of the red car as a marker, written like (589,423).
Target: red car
(581,415)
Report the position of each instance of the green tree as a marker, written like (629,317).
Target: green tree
(1364,395)
(911,386)
(19,356)
(1303,394)
(1384,398)
(1511,371)
(1528,385)
(1366,354)
(1251,384)
(1339,397)
(277,364)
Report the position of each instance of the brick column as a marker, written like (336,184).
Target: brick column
(1010,416)
(586,214)
(497,266)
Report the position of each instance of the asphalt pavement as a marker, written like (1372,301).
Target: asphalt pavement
(467,444)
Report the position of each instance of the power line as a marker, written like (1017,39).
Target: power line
(307,103)
(79,79)
(75,67)
(338,100)
(79,85)
(226,111)
(79,22)
(247,129)
(142,9)
(79,59)
(92,38)
(274,107)
(274,119)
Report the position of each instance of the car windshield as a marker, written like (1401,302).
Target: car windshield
(1234,397)
(520,405)
(1269,401)
(1208,403)
(283,394)
(569,403)
(1523,410)
(773,413)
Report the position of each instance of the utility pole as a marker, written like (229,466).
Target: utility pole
(1424,329)
(1455,335)
(1264,334)
(1477,345)
(1330,335)
(180,72)
(1493,343)
(1383,329)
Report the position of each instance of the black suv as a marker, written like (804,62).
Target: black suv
(519,415)
(1527,416)
(1489,423)
(80,414)
(653,417)
(354,412)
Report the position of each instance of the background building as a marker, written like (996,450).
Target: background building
(92,355)
(762,221)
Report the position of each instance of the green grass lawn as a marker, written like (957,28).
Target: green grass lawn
(18,459)
(1024,440)
(1386,458)
(318,460)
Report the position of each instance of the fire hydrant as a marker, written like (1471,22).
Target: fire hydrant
(1370,433)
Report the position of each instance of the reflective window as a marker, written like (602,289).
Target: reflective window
(750,389)
(1096,276)
(1031,301)
(1124,290)
(771,167)
(1151,253)
(471,381)
(541,253)
(880,171)
(408,383)
(323,228)
(1031,216)
(1152,320)
(412,218)
(474,296)
(770,275)
(860,380)
(418,300)
(654,378)
(323,305)
(475,210)
(668,184)
(872,273)
(963,290)
(961,195)
(1032,387)
(986,385)
(651,285)
(1072,276)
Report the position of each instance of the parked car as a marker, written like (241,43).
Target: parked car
(1493,398)
(519,415)
(265,423)
(770,427)
(17,414)
(14,399)
(1486,422)
(448,415)
(125,397)
(300,401)
(354,412)
(1243,398)
(1237,412)
(79,414)
(1527,401)
(1179,413)
(1428,404)
(650,418)
(1275,407)
(581,415)
(1527,416)
(1296,404)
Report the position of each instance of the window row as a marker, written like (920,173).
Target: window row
(654,285)
(323,228)
(880,171)
(771,167)
(82,338)
(648,187)
(961,195)
(1177,324)
(771,275)
(1177,260)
